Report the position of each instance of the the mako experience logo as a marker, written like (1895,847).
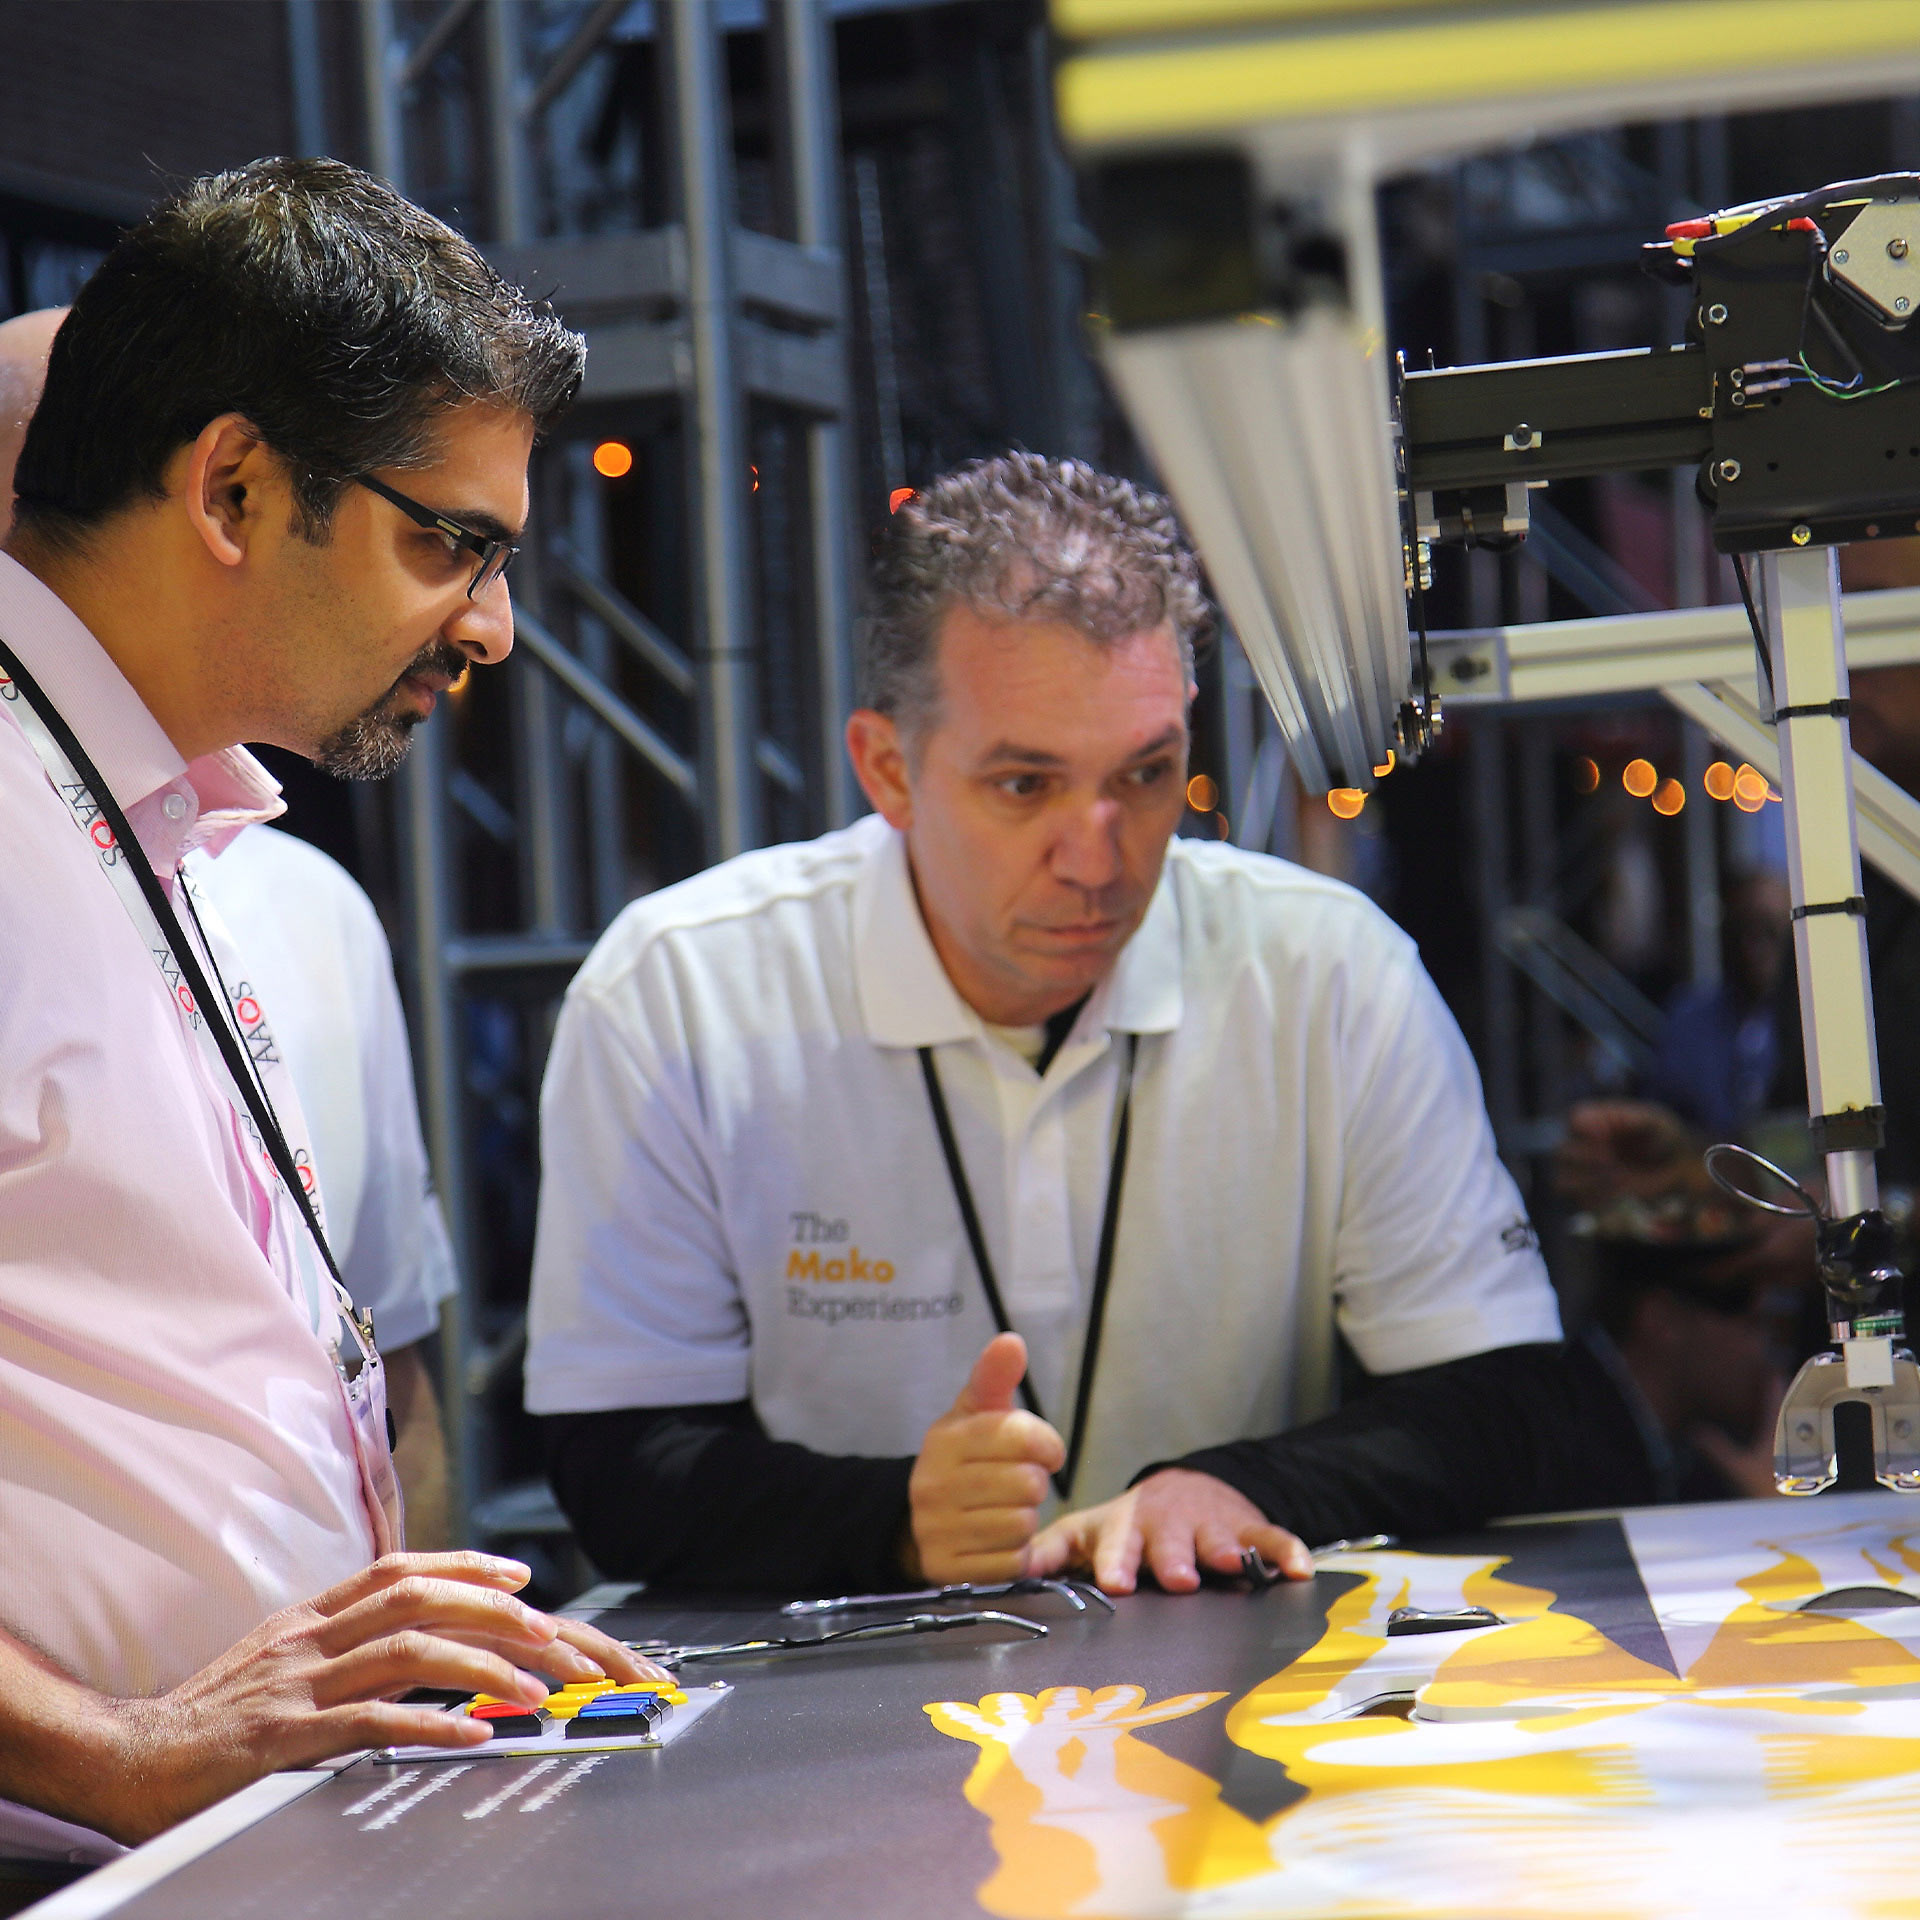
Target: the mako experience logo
(825,1254)
(823,1249)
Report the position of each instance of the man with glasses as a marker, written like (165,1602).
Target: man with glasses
(313,940)
(267,495)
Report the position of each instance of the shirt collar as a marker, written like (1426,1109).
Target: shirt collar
(906,999)
(125,742)
(1143,993)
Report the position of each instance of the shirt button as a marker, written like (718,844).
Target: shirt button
(174,806)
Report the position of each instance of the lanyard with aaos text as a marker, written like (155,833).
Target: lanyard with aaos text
(1103,1260)
(81,787)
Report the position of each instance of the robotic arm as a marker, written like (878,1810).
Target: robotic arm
(1795,395)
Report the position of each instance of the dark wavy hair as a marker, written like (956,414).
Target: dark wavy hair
(1021,536)
(305,295)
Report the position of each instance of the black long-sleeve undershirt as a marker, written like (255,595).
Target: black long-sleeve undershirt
(702,1497)
(1535,1429)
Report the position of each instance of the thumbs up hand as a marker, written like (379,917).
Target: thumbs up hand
(982,1475)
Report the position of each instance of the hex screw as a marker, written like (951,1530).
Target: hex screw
(1728,470)
(1839,256)
(1897,248)
(1716,315)
(1802,534)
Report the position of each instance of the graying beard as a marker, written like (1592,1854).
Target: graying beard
(369,746)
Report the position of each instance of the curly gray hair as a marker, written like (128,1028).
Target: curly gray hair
(1019,536)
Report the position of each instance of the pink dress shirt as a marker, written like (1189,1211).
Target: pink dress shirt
(175,1459)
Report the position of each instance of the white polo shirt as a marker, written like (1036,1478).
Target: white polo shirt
(745,1195)
(319,959)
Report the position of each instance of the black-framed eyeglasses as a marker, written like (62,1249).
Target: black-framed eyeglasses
(494,556)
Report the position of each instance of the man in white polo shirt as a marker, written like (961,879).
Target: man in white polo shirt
(1193,1112)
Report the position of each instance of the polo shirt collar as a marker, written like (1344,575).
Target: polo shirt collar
(125,742)
(1143,993)
(906,999)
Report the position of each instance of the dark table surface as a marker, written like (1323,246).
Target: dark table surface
(821,1789)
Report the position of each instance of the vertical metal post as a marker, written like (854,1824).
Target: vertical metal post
(1807,644)
(1500,1026)
(506,149)
(879,299)
(813,121)
(428,890)
(386,156)
(606,820)
(546,853)
(423,781)
(304,69)
(729,716)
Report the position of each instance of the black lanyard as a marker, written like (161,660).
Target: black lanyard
(1103,1260)
(213,1006)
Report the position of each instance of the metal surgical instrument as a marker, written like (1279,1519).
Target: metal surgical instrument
(1074,1592)
(1369,1543)
(674,1657)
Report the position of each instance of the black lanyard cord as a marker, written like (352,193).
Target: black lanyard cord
(1103,1259)
(213,1007)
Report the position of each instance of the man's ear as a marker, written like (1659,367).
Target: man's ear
(223,479)
(879,759)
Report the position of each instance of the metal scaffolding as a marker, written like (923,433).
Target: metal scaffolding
(706,317)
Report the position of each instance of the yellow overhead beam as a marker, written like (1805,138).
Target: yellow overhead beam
(1378,56)
(1098,19)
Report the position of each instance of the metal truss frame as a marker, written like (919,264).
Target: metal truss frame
(702,312)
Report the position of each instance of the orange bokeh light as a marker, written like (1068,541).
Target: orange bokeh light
(1381,772)
(1750,789)
(613,459)
(1202,794)
(1586,775)
(1639,778)
(1718,781)
(1345,802)
(1669,797)
(898,498)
